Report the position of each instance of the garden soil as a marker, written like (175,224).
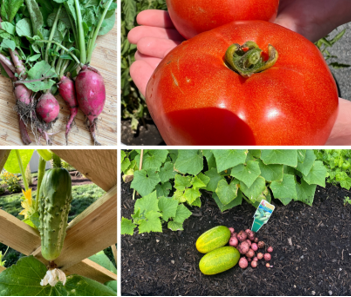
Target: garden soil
(312,251)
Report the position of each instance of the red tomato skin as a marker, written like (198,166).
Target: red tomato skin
(195,99)
(192,17)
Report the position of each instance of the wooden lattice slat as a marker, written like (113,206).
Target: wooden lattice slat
(100,166)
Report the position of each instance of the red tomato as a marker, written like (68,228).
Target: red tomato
(192,17)
(195,99)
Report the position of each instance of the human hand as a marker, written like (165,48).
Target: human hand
(155,38)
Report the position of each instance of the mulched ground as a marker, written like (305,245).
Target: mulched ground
(312,251)
(77,180)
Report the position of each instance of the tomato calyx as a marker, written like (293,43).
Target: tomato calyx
(248,58)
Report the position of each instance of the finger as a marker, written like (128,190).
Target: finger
(155,18)
(140,71)
(156,47)
(152,61)
(341,134)
(145,31)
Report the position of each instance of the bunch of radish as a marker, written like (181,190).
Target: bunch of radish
(72,27)
(248,246)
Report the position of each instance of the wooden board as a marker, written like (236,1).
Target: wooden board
(100,166)
(105,60)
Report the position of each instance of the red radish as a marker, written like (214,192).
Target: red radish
(233,241)
(91,95)
(270,249)
(250,254)
(243,247)
(243,263)
(254,264)
(267,257)
(255,259)
(256,239)
(261,244)
(234,234)
(268,265)
(242,236)
(254,246)
(259,256)
(68,93)
(231,229)
(48,108)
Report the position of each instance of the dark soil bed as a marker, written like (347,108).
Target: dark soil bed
(312,251)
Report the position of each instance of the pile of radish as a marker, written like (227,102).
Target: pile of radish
(248,244)
(38,43)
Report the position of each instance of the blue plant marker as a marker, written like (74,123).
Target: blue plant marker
(262,215)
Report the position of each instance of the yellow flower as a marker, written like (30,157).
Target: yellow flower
(27,204)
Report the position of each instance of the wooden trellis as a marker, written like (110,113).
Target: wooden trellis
(90,232)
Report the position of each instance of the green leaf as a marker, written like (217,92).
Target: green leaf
(189,161)
(285,190)
(77,285)
(256,153)
(253,193)
(8,27)
(166,173)
(343,179)
(154,158)
(9,8)
(127,226)
(28,272)
(191,195)
(211,161)
(215,177)
(198,183)
(38,71)
(112,285)
(101,259)
(227,193)
(174,226)
(197,202)
(24,28)
(163,189)
(125,165)
(147,203)
(182,214)
(179,196)
(8,44)
(35,16)
(182,182)
(11,164)
(226,159)
(305,192)
(168,207)
(205,179)
(247,173)
(307,164)
(144,182)
(151,223)
(285,157)
(237,201)
(317,174)
(271,172)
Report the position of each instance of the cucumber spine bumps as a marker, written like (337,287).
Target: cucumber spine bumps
(54,206)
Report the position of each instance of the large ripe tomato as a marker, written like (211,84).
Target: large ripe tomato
(192,17)
(195,99)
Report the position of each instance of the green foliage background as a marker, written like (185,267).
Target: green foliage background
(133,103)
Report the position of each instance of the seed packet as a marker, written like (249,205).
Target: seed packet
(262,215)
